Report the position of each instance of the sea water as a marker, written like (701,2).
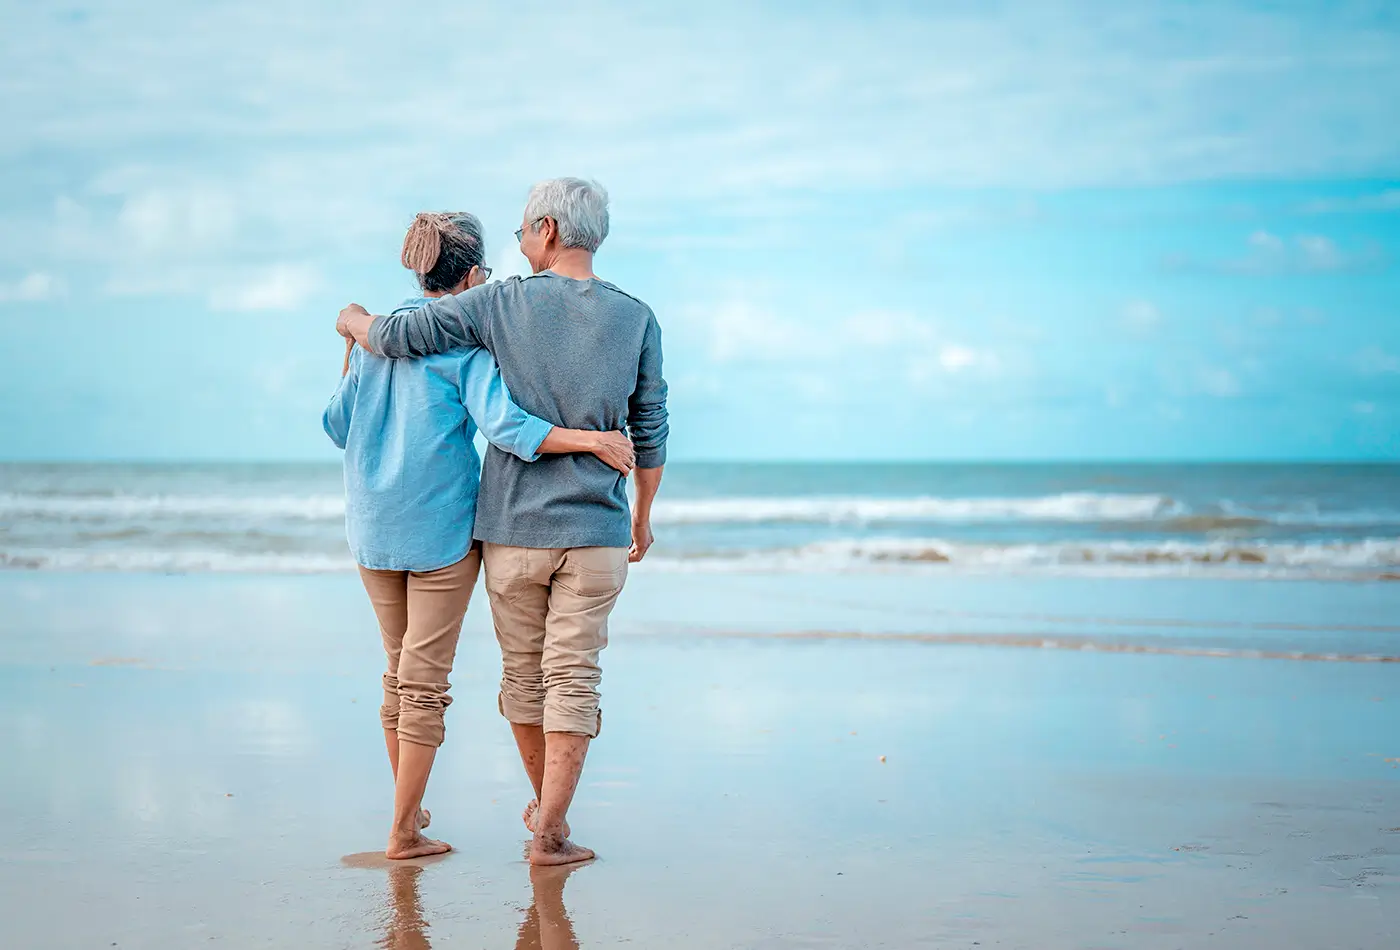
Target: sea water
(1276,520)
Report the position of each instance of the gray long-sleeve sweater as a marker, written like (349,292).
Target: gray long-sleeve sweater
(580,353)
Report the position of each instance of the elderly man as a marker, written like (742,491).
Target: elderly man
(577,351)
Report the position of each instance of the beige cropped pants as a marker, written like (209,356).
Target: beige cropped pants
(550,607)
(420,617)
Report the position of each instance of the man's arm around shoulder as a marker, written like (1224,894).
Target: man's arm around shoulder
(442,324)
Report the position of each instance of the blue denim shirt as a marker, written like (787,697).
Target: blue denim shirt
(411,470)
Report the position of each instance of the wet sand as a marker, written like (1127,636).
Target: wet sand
(786,762)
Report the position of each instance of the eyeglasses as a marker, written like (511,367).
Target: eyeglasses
(485,271)
(520,232)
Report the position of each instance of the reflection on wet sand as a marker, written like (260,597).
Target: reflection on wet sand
(405,928)
(547,925)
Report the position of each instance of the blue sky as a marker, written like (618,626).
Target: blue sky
(870,230)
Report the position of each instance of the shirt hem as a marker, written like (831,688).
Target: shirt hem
(521,539)
(411,566)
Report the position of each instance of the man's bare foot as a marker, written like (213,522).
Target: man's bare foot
(402,847)
(531,811)
(551,850)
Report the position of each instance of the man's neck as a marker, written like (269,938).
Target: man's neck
(573,262)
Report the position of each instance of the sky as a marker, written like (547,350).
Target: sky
(873,230)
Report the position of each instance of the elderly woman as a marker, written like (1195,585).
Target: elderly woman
(411,481)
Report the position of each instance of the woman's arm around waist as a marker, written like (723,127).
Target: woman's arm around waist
(512,429)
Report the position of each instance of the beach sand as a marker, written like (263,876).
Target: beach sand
(787,761)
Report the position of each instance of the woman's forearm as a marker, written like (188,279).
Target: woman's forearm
(614,449)
(562,441)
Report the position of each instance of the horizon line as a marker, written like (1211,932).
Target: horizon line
(1079,460)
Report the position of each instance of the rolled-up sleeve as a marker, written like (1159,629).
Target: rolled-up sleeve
(336,419)
(647,419)
(442,324)
(504,424)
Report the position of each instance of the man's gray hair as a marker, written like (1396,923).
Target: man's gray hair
(579,207)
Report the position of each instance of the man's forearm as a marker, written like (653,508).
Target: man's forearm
(647,481)
(441,324)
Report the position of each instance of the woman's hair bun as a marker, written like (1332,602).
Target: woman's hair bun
(423,243)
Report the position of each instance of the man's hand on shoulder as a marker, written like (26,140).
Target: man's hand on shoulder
(354,323)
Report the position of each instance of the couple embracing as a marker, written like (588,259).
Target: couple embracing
(557,370)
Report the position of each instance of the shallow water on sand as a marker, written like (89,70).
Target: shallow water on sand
(194,759)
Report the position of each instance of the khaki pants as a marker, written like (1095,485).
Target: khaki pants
(420,618)
(550,607)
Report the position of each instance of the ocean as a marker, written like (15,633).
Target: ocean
(1339,522)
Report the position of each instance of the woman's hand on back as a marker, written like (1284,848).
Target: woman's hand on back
(616,450)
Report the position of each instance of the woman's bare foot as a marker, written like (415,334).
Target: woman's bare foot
(532,810)
(551,850)
(404,846)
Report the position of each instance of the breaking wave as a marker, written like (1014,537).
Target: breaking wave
(1373,558)
(1155,510)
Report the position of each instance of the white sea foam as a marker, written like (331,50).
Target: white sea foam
(1064,508)
(1360,559)
(154,561)
(1366,558)
(1071,507)
(137,507)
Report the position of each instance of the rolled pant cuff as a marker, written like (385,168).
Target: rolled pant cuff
(520,713)
(573,721)
(421,731)
(389,716)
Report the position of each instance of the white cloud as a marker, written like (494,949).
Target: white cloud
(176,221)
(246,135)
(1184,376)
(1364,408)
(1318,253)
(31,287)
(951,359)
(1374,361)
(894,347)
(1271,255)
(1217,381)
(700,99)
(1387,200)
(887,328)
(283,287)
(738,330)
(1142,317)
(954,357)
